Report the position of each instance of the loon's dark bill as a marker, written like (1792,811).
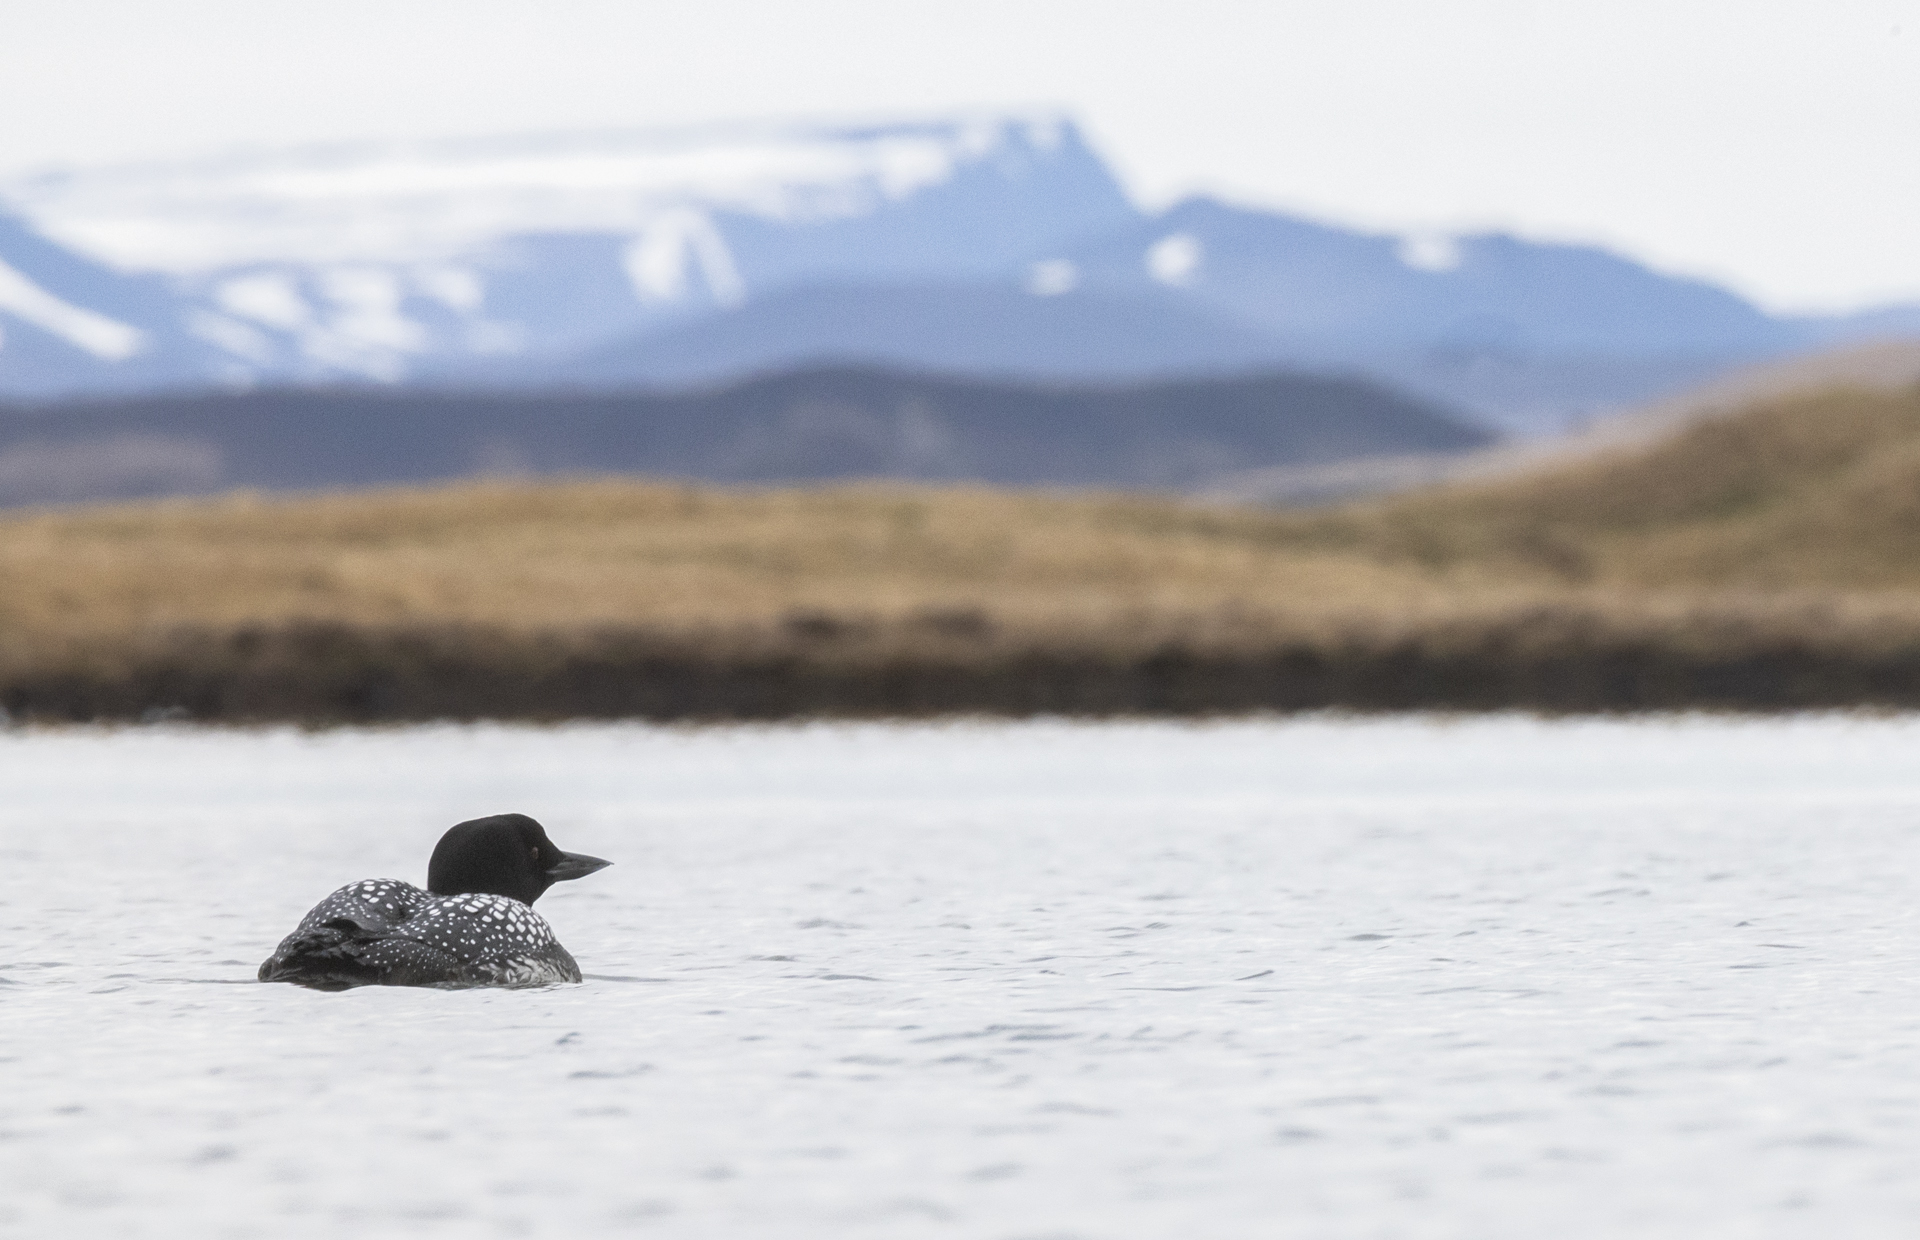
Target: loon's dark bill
(575,865)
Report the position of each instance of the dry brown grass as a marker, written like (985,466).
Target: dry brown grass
(1784,535)
(614,552)
(1819,493)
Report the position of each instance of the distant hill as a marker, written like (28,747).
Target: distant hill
(822,423)
(1807,492)
(1880,366)
(1078,337)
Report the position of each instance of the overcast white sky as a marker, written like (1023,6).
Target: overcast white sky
(1770,144)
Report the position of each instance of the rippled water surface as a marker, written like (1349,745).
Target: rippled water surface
(1393,978)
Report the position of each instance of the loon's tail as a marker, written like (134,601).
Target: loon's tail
(330,956)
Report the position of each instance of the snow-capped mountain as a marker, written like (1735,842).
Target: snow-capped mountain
(1326,290)
(68,322)
(994,244)
(383,262)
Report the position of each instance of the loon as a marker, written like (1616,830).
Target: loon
(472,926)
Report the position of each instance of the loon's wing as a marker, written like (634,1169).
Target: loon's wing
(342,952)
(357,937)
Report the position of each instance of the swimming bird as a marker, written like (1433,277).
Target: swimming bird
(472,926)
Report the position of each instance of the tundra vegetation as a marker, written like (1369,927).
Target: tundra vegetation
(1765,559)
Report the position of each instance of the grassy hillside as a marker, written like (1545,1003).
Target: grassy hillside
(1765,559)
(1817,493)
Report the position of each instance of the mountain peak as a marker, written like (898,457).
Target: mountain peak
(394,202)
(998,241)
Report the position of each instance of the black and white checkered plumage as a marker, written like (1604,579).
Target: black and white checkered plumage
(474,926)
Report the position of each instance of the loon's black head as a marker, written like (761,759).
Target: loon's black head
(507,855)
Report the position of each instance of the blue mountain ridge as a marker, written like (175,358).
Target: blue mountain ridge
(1025,260)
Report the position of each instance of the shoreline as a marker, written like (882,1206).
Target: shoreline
(1547,662)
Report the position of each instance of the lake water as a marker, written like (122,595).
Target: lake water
(1321,978)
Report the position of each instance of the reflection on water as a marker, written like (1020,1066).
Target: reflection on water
(1493,978)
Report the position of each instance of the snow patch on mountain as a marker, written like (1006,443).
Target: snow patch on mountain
(411,202)
(1175,258)
(1430,251)
(1052,277)
(663,259)
(105,338)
